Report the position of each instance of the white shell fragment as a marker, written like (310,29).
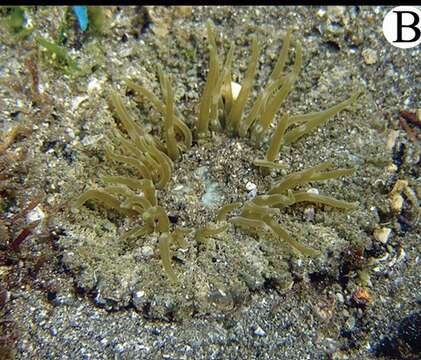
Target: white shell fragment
(259,331)
(235,90)
(35,214)
(251,190)
(382,234)
(250,186)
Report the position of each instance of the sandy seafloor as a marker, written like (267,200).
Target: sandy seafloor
(359,299)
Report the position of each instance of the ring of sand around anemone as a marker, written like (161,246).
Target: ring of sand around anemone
(191,243)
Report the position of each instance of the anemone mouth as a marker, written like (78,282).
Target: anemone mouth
(182,247)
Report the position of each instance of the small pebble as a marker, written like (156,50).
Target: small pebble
(147,251)
(382,234)
(370,56)
(252,190)
(313,191)
(259,331)
(36,214)
(104,342)
(251,194)
(309,213)
(392,168)
(340,298)
(321,13)
(138,295)
(397,202)
(250,186)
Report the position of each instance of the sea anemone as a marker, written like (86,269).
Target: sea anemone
(154,155)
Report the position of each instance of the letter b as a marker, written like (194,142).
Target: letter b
(413,26)
(402,27)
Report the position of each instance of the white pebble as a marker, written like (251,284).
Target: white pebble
(250,186)
(313,191)
(35,214)
(138,294)
(251,194)
(259,331)
(147,251)
(382,234)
